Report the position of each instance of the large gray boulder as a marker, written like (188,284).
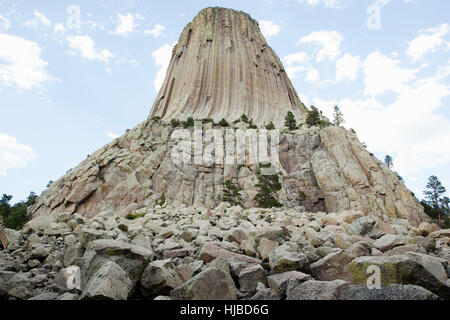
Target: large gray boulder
(317,290)
(280,282)
(211,284)
(332,266)
(10,239)
(159,278)
(132,259)
(400,269)
(110,282)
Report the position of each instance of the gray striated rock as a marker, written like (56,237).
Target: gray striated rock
(109,282)
(211,284)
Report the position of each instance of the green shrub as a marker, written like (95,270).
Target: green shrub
(14,217)
(156,118)
(313,117)
(267,186)
(270,126)
(162,200)
(290,122)
(223,123)
(301,197)
(231,194)
(208,120)
(175,123)
(188,123)
(134,216)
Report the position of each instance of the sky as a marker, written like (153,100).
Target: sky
(76,74)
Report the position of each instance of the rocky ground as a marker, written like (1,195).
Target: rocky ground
(228,253)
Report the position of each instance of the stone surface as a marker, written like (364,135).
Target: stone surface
(109,282)
(281,281)
(211,284)
(10,239)
(400,269)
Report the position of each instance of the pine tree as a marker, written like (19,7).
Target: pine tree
(338,116)
(313,118)
(289,121)
(434,194)
(389,161)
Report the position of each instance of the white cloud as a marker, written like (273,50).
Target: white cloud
(157,31)
(85,47)
(269,28)
(330,41)
(39,20)
(59,28)
(112,135)
(5,24)
(299,57)
(126,24)
(382,73)
(333,4)
(347,68)
(429,40)
(410,128)
(21,64)
(295,63)
(13,155)
(162,58)
(313,76)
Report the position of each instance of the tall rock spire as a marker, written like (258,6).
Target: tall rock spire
(222,67)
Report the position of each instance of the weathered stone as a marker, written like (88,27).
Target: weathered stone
(159,278)
(266,247)
(251,276)
(400,269)
(109,282)
(362,226)
(266,294)
(10,239)
(317,290)
(281,281)
(283,261)
(332,266)
(389,241)
(211,284)
(88,235)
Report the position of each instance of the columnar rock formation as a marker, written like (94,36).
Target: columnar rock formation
(223,68)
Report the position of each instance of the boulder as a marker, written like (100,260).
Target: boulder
(332,266)
(389,241)
(266,294)
(281,261)
(316,290)
(211,284)
(400,269)
(159,278)
(390,292)
(251,276)
(10,239)
(110,282)
(362,226)
(281,281)
(266,247)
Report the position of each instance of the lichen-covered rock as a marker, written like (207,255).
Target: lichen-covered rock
(400,269)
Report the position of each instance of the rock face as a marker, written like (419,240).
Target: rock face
(222,67)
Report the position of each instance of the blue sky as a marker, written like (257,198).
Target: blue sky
(68,88)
